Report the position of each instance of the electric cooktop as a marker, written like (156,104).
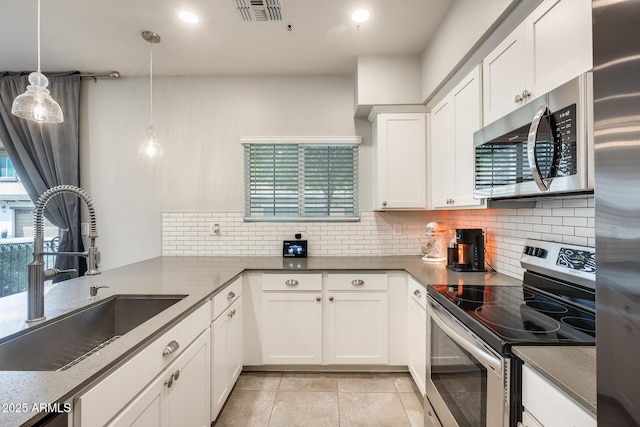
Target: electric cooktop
(554,306)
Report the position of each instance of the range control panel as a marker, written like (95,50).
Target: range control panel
(573,263)
(535,251)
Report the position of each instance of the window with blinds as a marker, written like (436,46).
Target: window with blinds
(285,180)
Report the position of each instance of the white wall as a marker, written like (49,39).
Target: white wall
(199,121)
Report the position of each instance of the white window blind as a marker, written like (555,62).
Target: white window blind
(285,180)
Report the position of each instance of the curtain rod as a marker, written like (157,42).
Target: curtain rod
(95,77)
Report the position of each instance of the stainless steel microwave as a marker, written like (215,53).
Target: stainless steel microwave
(544,147)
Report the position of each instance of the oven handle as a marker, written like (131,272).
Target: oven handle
(542,183)
(457,334)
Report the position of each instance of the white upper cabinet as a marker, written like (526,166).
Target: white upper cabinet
(400,161)
(453,122)
(552,46)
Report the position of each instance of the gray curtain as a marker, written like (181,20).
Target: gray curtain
(46,155)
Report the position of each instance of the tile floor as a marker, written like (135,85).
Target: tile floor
(323,399)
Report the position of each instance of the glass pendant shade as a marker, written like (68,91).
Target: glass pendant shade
(151,147)
(36,104)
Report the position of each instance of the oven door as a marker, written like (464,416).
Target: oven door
(468,386)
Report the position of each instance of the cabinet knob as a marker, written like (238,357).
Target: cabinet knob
(330,298)
(291,282)
(168,383)
(416,293)
(318,298)
(176,374)
(232,313)
(526,94)
(384,203)
(517,99)
(231,295)
(170,348)
(357,282)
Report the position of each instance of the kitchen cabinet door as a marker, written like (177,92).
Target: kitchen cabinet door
(442,158)
(292,328)
(559,43)
(417,334)
(357,328)
(226,360)
(179,396)
(503,74)
(551,46)
(400,156)
(550,406)
(453,122)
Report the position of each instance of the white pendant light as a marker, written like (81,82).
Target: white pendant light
(151,147)
(36,104)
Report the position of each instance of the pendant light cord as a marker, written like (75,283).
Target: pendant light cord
(150,84)
(39,37)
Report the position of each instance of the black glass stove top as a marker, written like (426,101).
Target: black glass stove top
(508,315)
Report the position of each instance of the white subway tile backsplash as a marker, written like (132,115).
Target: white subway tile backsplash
(569,220)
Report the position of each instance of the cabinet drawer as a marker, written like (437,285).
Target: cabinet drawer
(225,297)
(99,404)
(293,282)
(417,292)
(357,281)
(550,405)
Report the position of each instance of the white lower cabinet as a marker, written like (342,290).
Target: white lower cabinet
(180,396)
(292,319)
(226,355)
(138,392)
(417,334)
(547,406)
(292,328)
(357,328)
(357,319)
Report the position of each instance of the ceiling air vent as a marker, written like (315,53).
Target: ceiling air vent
(260,10)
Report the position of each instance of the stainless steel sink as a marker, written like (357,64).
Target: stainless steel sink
(60,342)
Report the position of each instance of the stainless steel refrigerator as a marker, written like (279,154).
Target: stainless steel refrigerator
(616,82)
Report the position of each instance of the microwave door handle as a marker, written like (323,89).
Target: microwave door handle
(543,184)
(451,329)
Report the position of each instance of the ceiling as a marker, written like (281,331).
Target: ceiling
(100,36)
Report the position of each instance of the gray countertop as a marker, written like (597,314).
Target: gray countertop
(572,369)
(197,277)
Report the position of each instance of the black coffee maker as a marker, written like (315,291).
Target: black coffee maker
(466,253)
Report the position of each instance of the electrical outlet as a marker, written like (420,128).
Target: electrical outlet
(84,228)
(397,229)
(214,230)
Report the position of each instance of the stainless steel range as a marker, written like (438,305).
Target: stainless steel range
(474,379)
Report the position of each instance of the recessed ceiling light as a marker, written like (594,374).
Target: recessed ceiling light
(360,15)
(188,17)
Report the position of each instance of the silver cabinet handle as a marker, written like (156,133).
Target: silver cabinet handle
(176,374)
(416,293)
(170,348)
(517,99)
(525,94)
(384,203)
(330,298)
(318,298)
(232,313)
(357,282)
(231,295)
(291,282)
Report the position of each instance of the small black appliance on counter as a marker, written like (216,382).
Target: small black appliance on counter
(294,248)
(467,252)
